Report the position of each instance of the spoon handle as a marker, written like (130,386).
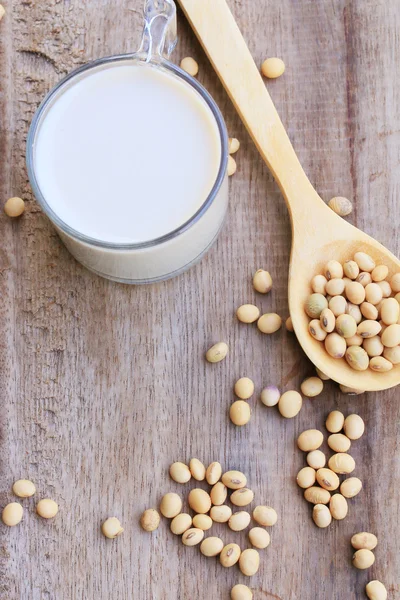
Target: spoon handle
(224,45)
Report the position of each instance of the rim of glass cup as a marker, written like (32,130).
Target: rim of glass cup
(158,63)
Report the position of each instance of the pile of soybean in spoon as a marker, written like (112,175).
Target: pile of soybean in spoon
(355,310)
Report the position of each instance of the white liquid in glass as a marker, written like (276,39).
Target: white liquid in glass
(127,154)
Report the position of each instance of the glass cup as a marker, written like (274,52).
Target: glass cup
(172,253)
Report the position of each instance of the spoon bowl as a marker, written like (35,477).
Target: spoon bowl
(319,235)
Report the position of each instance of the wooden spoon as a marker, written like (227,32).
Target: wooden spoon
(318,233)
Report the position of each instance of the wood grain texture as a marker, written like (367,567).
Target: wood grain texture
(103,385)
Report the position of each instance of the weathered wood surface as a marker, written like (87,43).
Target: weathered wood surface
(103,385)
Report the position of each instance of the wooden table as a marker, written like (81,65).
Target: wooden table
(104,385)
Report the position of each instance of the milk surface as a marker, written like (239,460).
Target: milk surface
(127,153)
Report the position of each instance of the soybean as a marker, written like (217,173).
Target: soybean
(199,500)
(249,562)
(340,205)
(350,487)
(364,261)
(306,477)
(265,516)
(312,387)
(395,282)
(338,507)
(315,304)
(355,292)
(239,521)
(111,528)
(333,270)
(335,345)
(380,364)
(231,170)
(269,323)
(47,508)
(211,546)
(259,538)
(170,505)
(233,145)
(311,439)
(321,515)
(379,273)
(181,523)
(318,284)
(289,404)
(217,352)
(342,463)
(316,330)
(354,427)
(338,305)
(221,514)
(327,320)
(192,536)
(229,555)
(180,472)
(289,324)
(392,354)
(373,346)
(373,293)
(244,388)
(386,288)
(327,479)
(203,522)
(12,514)
(317,495)
(213,473)
(335,287)
(346,326)
(334,421)
(247,313)
(351,269)
(363,559)
(197,469)
(339,442)
(262,281)
(189,65)
(391,336)
(240,413)
(364,540)
(316,459)
(369,311)
(14,207)
(23,488)
(150,520)
(375,590)
(241,592)
(390,310)
(242,497)
(354,311)
(270,395)
(218,494)
(234,480)
(368,328)
(357,358)
(356,340)
(273,67)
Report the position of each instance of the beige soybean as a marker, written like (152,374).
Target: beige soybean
(373,346)
(315,304)
(306,477)
(273,67)
(339,442)
(192,536)
(170,505)
(247,313)
(340,205)
(317,495)
(349,488)
(241,592)
(230,555)
(218,493)
(353,427)
(375,590)
(249,562)
(342,463)
(111,528)
(265,516)
(373,293)
(333,270)
(197,469)
(189,65)
(354,311)
(364,261)
(289,324)
(316,330)
(47,508)
(390,310)
(231,170)
(364,540)
(312,386)
(211,546)
(233,145)
(364,278)
(395,282)
(334,421)
(351,391)
(239,520)
(355,340)
(351,269)
(369,311)
(379,273)
(321,375)
(338,305)
(346,326)
(181,523)
(259,538)
(150,520)
(213,473)
(14,207)
(368,328)
(290,404)
(391,336)
(386,288)
(327,320)
(262,281)
(203,522)
(217,352)
(321,515)
(269,323)
(311,439)
(335,345)
(363,559)
(335,287)
(355,292)
(270,395)
(199,501)
(240,413)
(357,358)
(234,480)
(392,354)
(23,488)
(221,514)
(12,514)
(316,459)
(180,472)
(244,388)
(242,497)
(327,479)
(318,284)
(380,364)
(338,507)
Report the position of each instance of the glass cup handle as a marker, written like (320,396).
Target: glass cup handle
(160,31)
